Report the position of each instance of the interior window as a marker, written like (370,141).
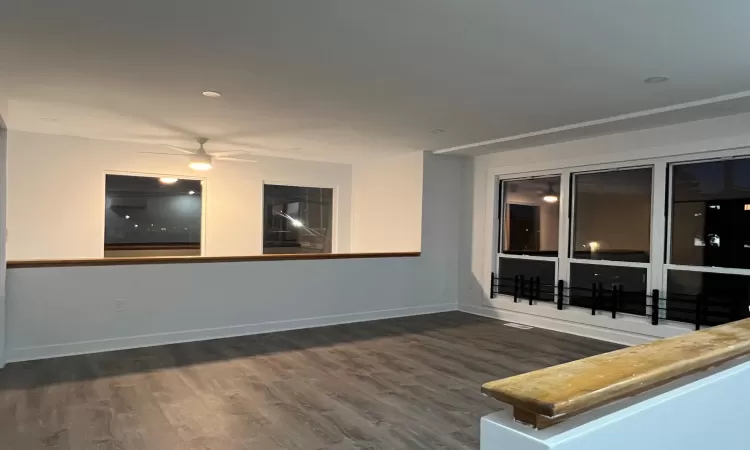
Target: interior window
(297,219)
(152,216)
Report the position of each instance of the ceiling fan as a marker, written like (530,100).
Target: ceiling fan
(200,159)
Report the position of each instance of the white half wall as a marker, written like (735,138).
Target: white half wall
(698,412)
(65,310)
(387,203)
(56,195)
(692,138)
(69,310)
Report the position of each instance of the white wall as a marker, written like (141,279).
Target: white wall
(58,311)
(56,195)
(3,175)
(683,139)
(696,413)
(387,204)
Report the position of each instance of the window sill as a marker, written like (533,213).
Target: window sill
(21,264)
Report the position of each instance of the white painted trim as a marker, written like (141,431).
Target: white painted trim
(491,228)
(607,262)
(529,257)
(708,269)
(606,120)
(149,340)
(564,227)
(625,330)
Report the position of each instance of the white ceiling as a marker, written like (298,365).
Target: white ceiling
(337,79)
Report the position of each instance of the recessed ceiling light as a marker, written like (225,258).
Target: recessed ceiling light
(191,192)
(168,180)
(652,80)
(211,94)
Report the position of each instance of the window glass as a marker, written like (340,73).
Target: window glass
(725,297)
(297,219)
(532,216)
(152,216)
(612,215)
(528,269)
(631,279)
(711,214)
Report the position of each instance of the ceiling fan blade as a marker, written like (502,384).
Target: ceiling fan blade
(163,153)
(236,159)
(230,153)
(180,149)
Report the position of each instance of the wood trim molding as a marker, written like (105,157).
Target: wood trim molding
(548,396)
(22,264)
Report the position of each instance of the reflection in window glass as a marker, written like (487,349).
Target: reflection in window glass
(152,216)
(711,214)
(632,280)
(726,296)
(612,217)
(508,268)
(532,216)
(297,219)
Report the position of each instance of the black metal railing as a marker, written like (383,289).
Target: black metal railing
(700,309)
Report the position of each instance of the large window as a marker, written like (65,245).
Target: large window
(529,237)
(611,223)
(709,233)
(711,214)
(612,219)
(152,216)
(532,216)
(297,219)
(669,239)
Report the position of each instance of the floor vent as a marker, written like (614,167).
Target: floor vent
(519,326)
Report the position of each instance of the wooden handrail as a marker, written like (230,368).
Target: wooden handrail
(30,263)
(548,396)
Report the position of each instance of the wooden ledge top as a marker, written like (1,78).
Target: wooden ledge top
(548,396)
(19,264)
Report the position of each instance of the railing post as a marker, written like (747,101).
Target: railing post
(532,280)
(593,299)
(492,284)
(616,292)
(655,307)
(698,310)
(515,288)
(560,289)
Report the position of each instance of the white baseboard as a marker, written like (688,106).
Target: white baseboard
(622,337)
(150,340)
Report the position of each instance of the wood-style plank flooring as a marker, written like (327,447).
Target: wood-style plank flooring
(409,383)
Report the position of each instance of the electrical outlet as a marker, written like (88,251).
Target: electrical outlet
(119,304)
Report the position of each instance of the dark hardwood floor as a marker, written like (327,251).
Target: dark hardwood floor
(409,383)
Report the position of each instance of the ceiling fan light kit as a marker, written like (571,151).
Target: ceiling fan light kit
(200,162)
(200,159)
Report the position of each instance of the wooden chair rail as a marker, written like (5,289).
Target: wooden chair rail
(548,396)
(198,259)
